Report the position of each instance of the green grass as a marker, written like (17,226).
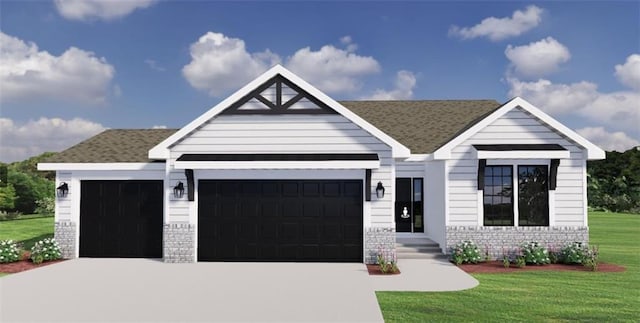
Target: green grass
(541,296)
(27,231)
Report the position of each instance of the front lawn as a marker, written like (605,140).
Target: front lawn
(541,295)
(28,231)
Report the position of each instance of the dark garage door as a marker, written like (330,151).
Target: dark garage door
(121,219)
(311,220)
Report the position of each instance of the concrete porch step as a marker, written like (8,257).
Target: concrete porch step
(417,248)
(420,255)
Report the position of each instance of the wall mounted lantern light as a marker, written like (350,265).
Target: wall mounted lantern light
(63,189)
(178,190)
(380,190)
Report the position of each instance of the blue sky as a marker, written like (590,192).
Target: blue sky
(69,69)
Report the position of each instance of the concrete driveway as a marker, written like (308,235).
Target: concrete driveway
(107,290)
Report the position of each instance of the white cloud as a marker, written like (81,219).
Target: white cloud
(28,73)
(159,127)
(403,88)
(501,28)
(332,69)
(154,65)
(538,58)
(99,9)
(555,98)
(609,141)
(629,73)
(618,109)
(21,141)
(220,64)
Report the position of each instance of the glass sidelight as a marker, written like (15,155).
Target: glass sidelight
(409,212)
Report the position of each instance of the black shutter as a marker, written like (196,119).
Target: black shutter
(553,174)
(482,163)
(190,186)
(367,185)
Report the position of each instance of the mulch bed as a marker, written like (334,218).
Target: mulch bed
(24,264)
(495,267)
(375,270)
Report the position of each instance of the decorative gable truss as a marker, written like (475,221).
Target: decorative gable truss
(279,96)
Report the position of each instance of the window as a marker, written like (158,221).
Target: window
(418,217)
(533,196)
(498,196)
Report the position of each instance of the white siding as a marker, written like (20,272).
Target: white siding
(63,204)
(287,134)
(410,169)
(516,127)
(434,201)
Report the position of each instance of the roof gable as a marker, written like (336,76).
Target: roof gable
(593,151)
(161,151)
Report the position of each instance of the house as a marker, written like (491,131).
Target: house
(279,171)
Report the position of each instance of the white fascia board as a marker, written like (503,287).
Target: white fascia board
(332,164)
(593,152)
(522,154)
(419,158)
(161,151)
(101,166)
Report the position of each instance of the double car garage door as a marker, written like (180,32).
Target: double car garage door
(308,220)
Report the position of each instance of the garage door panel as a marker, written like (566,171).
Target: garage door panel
(121,219)
(298,221)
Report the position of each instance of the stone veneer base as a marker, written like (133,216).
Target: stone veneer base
(179,242)
(500,240)
(65,234)
(378,240)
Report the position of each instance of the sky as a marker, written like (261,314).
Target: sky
(70,69)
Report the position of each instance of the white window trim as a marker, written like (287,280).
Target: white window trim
(514,163)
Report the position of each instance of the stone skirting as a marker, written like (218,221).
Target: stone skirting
(378,240)
(65,234)
(500,240)
(179,242)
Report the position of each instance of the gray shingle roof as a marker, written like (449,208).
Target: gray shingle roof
(114,146)
(422,126)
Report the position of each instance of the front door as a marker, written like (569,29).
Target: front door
(409,213)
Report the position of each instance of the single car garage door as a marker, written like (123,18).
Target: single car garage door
(121,219)
(286,220)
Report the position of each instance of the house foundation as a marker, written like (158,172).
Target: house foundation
(500,241)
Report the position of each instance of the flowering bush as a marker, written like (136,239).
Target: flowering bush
(388,262)
(465,253)
(579,253)
(9,251)
(45,250)
(534,253)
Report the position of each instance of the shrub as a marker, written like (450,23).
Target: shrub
(466,252)
(8,216)
(46,205)
(45,250)
(9,251)
(388,262)
(579,253)
(534,253)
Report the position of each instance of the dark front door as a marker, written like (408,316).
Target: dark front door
(280,220)
(403,205)
(409,208)
(121,219)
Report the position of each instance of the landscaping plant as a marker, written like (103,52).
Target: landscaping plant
(466,252)
(581,254)
(45,250)
(388,262)
(9,251)
(534,253)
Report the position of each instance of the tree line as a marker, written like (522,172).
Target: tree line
(613,184)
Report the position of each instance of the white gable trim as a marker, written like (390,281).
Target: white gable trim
(325,164)
(161,151)
(101,166)
(593,151)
